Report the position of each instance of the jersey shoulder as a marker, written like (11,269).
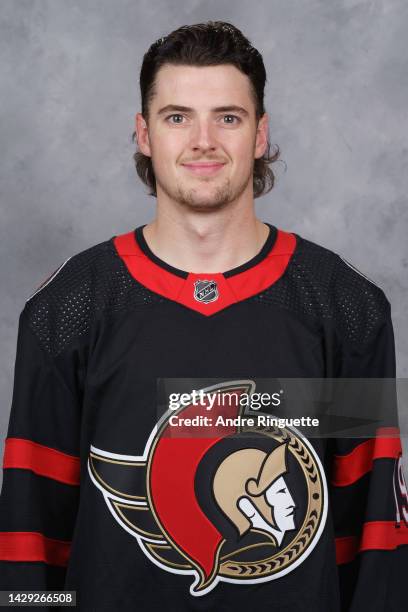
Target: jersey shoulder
(356,303)
(321,285)
(88,283)
(324,262)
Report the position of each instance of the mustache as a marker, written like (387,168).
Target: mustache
(204,161)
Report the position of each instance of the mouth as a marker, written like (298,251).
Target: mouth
(204,168)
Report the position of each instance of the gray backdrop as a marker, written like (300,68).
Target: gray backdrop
(337,99)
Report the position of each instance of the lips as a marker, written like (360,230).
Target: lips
(206,168)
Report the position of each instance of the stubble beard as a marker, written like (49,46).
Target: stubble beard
(195,199)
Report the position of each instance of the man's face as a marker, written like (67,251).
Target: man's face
(202,115)
(279,497)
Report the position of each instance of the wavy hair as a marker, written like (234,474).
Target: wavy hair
(206,44)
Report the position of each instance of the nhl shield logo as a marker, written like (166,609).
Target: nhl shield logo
(237,504)
(205,291)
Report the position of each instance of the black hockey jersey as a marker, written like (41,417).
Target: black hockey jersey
(130,479)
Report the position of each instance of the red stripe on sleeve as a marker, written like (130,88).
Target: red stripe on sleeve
(383,535)
(43,460)
(349,468)
(377,535)
(33,546)
(346,549)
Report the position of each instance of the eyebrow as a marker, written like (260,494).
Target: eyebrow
(218,109)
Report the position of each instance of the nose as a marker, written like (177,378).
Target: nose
(202,135)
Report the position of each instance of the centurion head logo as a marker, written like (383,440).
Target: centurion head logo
(229,503)
(251,491)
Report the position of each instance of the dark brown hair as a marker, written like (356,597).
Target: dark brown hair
(206,44)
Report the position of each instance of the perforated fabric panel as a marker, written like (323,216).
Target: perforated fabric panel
(319,284)
(92,281)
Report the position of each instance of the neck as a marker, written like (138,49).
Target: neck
(206,242)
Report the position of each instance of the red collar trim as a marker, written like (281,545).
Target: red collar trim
(196,290)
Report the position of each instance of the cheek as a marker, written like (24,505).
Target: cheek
(167,148)
(278,502)
(242,152)
(166,156)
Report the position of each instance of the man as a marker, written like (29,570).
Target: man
(112,493)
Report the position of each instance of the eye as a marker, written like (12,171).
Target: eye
(282,490)
(174,115)
(237,119)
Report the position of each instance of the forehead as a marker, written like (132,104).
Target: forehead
(201,86)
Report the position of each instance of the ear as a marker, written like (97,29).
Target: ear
(142,135)
(261,141)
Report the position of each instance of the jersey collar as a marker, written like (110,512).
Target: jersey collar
(206,293)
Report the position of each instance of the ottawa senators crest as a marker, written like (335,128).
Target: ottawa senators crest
(231,503)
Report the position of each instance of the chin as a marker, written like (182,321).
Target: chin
(205,206)
(210,201)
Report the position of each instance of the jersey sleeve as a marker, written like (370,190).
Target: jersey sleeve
(41,464)
(367,491)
